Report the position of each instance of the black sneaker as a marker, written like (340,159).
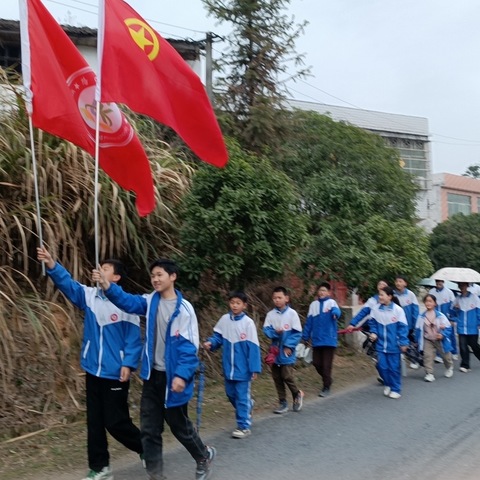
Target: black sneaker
(205,466)
(325,392)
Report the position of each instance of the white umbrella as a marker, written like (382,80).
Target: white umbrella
(430,282)
(456,274)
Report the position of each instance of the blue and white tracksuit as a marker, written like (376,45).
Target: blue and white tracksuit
(321,325)
(288,321)
(445,298)
(111,337)
(440,321)
(237,335)
(409,303)
(465,312)
(364,313)
(390,325)
(181,339)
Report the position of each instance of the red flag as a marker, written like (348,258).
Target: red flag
(142,70)
(61,100)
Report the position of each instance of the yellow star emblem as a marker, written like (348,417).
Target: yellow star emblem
(144,36)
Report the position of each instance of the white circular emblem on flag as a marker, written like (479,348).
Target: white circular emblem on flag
(115,131)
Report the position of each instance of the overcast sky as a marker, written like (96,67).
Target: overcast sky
(412,57)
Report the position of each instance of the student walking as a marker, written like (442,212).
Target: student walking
(169,362)
(433,333)
(237,334)
(363,315)
(389,330)
(466,313)
(408,301)
(445,298)
(321,331)
(282,326)
(111,349)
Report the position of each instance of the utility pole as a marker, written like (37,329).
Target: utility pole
(209,65)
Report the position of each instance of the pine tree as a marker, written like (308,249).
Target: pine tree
(260,56)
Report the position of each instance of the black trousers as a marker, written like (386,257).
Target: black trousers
(107,410)
(323,362)
(153,415)
(466,341)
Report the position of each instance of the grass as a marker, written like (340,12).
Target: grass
(62,448)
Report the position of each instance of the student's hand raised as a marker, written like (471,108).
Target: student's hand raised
(44,256)
(99,277)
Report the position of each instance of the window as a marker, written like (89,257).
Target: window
(458,204)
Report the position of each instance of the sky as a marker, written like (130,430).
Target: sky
(411,57)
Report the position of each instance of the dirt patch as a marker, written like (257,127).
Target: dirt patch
(61,450)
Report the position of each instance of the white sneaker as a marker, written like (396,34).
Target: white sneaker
(438,359)
(454,356)
(394,395)
(414,366)
(104,474)
(449,372)
(429,377)
(239,433)
(464,370)
(386,391)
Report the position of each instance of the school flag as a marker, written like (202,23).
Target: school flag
(60,91)
(142,70)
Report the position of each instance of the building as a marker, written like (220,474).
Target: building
(409,135)
(453,194)
(85,39)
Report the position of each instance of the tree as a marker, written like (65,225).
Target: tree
(241,224)
(456,242)
(472,171)
(359,201)
(261,49)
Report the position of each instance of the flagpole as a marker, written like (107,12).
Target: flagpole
(37,195)
(101,12)
(95,201)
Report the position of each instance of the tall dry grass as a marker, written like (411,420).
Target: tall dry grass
(40,380)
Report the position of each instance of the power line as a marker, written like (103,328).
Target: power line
(148,19)
(71,6)
(455,138)
(329,94)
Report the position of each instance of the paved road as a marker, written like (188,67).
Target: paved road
(432,432)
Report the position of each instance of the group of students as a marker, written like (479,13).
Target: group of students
(112,347)
(394,324)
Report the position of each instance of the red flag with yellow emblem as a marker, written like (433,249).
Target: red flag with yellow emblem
(142,70)
(60,91)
